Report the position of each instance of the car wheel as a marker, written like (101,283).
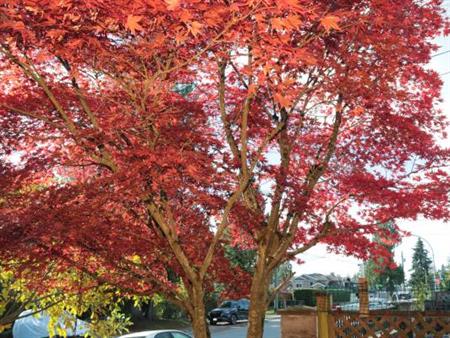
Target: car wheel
(233,320)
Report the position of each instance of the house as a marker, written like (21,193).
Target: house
(318,281)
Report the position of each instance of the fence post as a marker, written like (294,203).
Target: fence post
(323,302)
(363,290)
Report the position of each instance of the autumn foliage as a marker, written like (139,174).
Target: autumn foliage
(138,138)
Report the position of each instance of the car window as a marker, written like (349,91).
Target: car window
(227,304)
(164,335)
(179,335)
(243,304)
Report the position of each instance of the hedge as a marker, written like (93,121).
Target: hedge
(308,296)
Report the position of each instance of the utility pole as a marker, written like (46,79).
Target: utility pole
(275,300)
(403,266)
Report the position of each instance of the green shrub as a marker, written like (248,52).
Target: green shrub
(339,296)
(308,296)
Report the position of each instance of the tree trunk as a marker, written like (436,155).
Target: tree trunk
(258,299)
(200,326)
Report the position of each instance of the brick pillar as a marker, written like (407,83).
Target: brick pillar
(323,302)
(363,291)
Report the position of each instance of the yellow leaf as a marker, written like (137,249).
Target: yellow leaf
(330,22)
(133,23)
(136,259)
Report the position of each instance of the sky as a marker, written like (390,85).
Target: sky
(436,234)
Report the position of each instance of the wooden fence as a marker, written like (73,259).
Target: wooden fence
(390,324)
(323,322)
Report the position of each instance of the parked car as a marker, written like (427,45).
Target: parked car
(380,305)
(374,304)
(157,334)
(347,307)
(402,297)
(30,325)
(229,311)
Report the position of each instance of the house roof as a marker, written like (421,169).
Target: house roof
(318,277)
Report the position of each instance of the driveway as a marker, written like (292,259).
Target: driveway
(271,329)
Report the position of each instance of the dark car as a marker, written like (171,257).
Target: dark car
(229,311)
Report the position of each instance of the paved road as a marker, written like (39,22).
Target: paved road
(271,329)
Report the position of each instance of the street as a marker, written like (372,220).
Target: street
(271,329)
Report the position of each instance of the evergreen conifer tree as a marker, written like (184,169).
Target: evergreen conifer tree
(421,280)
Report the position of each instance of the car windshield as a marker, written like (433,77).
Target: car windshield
(404,296)
(227,304)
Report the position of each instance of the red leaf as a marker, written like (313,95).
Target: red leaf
(172,4)
(330,22)
(282,100)
(195,27)
(133,23)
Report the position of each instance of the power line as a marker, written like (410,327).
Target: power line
(446,73)
(441,53)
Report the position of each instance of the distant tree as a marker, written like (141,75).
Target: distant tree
(444,277)
(280,280)
(382,272)
(446,280)
(243,258)
(390,278)
(421,277)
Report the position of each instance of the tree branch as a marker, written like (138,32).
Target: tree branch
(223,113)
(33,74)
(315,172)
(279,287)
(81,97)
(32,116)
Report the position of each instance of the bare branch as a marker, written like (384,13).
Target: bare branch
(279,287)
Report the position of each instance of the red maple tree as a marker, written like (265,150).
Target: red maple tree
(152,133)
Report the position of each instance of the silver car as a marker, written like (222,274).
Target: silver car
(157,334)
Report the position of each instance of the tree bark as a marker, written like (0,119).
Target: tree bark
(200,326)
(258,299)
